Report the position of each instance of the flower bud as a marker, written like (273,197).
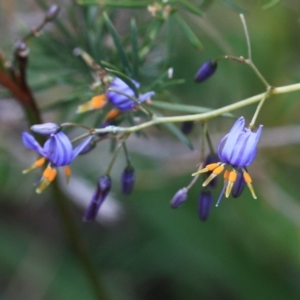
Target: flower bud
(52,13)
(187,127)
(89,147)
(46,128)
(179,198)
(103,188)
(127,180)
(21,49)
(204,204)
(206,70)
(239,185)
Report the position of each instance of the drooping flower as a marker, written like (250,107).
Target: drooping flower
(206,71)
(237,149)
(101,192)
(204,204)
(127,180)
(179,198)
(57,150)
(119,94)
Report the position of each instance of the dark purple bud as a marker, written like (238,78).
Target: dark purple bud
(206,70)
(210,159)
(239,185)
(187,127)
(103,188)
(179,198)
(127,180)
(89,147)
(52,13)
(46,128)
(204,204)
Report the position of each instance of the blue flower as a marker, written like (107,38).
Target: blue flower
(237,149)
(101,192)
(57,150)
(121,100)
(120,97)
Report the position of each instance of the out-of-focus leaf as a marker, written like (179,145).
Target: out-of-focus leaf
(271,4)
(178,133)
(234,6)
(184,108)
(187,31)
(115,4)
(134,46)
(188,6)
(118,44)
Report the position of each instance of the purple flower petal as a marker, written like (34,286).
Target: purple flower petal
(30,142)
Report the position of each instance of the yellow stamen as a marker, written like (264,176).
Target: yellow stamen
(226,175)
(208,168)
(38,163)
(96,102)
(231,180)
(218,170)
(48,176)
(68,173)
(112,114)
(248,180)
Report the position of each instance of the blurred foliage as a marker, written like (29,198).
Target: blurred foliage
(247,249)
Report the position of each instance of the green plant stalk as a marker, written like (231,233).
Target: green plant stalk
(198,117)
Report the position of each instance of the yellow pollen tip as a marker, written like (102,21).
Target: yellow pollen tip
(250,186)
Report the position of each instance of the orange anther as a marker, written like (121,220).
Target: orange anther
(39,162)
(98,101)
(232,176)
(247,177)
(112,114)
(226,174)
(218,170)
(49,174)
(68,171)
(213,166)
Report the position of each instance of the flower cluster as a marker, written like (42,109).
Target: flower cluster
(57,152)
(119,94)
(237,149)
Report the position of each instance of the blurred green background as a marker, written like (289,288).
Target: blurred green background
(140,247)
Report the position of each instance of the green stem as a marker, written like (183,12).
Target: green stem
(115,155)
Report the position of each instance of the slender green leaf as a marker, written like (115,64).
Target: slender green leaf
(118,44)
(271,4)
(134,46)
(234,6)
(188,6)
(181,136)
(184,108)
(119,4)
(187,31)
